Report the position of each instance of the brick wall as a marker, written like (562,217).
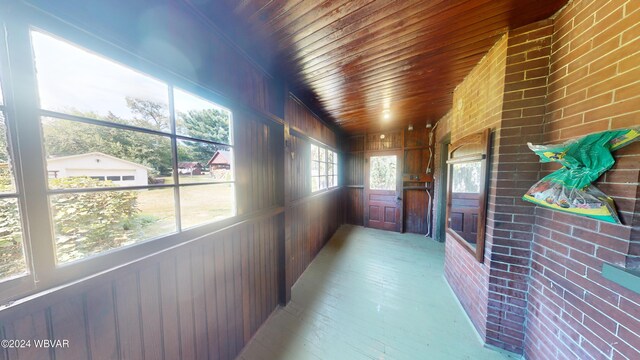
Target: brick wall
(568,76)
(479,96)
(511,220)
(594,85)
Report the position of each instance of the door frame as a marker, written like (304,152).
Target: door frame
(441,206)
(399,185)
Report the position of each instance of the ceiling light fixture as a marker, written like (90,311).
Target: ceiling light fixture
(386,114)
(410,128)
(381,136)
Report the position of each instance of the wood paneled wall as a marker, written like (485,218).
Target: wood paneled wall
(415,162)
(313,222)
(354,181)
(201,300)
(205,297)
(310,219)
(259,162)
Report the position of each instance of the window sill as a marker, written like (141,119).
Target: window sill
(627,278)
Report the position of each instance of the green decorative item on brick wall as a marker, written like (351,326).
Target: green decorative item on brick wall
(583,160)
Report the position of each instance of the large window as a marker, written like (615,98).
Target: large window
(122,166)
(127,158)
(324,168)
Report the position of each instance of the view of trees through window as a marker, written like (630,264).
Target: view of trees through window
(382,172)
(12,257)
(114,130)
(324,168)
(466,177)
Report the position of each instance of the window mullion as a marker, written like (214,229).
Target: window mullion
(174,155)
(33,171)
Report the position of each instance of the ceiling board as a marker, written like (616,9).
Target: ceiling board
(350,59)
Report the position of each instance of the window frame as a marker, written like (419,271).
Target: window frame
(17,66)
(25,282)
(322,147)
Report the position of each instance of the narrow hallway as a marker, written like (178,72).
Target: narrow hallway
(371,294)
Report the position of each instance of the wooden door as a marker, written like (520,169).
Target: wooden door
(383,190)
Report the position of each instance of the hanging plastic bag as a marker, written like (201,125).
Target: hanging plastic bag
(569,189)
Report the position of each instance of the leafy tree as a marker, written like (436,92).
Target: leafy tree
(89,223)
(11,253)
(153,115)
(208,124)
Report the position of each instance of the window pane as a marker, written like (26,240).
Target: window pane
(466,177)
(314,153)
(382,173)
(315,183)
(201,119)
(329,156)
(335,169)
(7,184)
(335,180)
(206,203)
(322,154)
(77,150)
(323,182)
(76,81)
(331,181)
(90,223)
(315,168)
(203,162)
(12,259)
(323,168)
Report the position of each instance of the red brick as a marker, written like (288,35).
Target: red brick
(584,129)
(629,91)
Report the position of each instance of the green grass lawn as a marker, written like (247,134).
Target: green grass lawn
(198,205)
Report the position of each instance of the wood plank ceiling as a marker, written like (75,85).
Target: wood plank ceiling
(353,60)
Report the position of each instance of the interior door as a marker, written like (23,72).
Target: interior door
(383,190)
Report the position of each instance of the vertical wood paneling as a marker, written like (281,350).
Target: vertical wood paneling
(258,169)
(151,312)
(68,323)
(415,211)
(246,301)
(354,169)
(229,291)
(185,304)
(221,300)
(32,326)
(206,298)
(169,300)
(237,289)
(202,300)
(101,320)
(310,219)
(354,206)
(312,224)
(199,302)
(128,317)
(211,300)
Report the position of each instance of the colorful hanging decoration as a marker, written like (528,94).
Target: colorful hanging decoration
(569,189)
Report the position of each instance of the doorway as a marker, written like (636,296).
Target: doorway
(441,206)
(383,190)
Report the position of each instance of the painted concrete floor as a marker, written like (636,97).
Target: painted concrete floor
(371,294)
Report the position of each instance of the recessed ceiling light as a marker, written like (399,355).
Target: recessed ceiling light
(381,136)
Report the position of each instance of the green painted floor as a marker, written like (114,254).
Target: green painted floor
(371,294)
